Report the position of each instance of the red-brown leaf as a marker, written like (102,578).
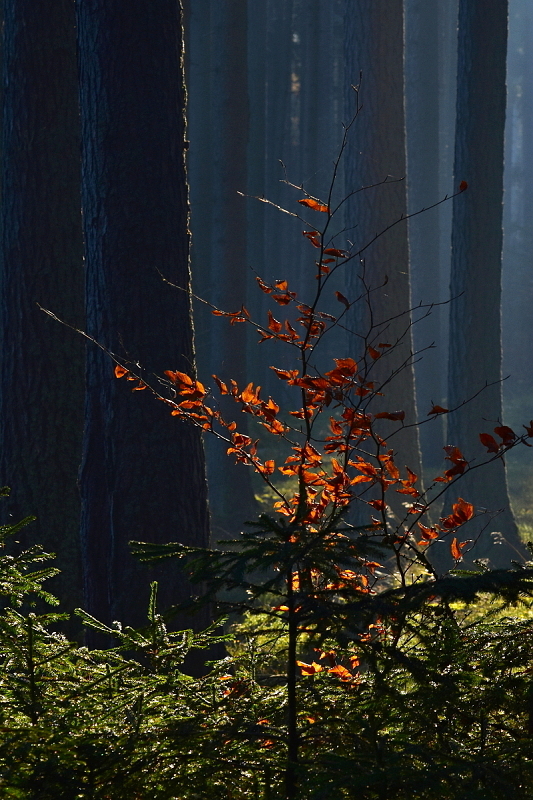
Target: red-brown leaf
(394,415)
(263,286)
(463,510)
(332,251)
(438,410)
(273,323)
(456,548)
(342,299)
(489,442)
(506,434)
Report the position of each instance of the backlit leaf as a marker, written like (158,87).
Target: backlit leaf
(456,548)
(179,377)
(314,204)
(273,324)
(309,669)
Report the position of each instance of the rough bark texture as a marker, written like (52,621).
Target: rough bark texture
(142,475)
(42,363)
(374,46)
(475,326)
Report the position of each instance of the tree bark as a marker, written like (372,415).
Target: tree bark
(42,363)
(475,317)
(374,47)
(219,118)
(423,101)
(142,474)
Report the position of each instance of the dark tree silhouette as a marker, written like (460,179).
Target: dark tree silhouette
(142,475)
(42,364)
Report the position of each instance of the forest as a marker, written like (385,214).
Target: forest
(266,520)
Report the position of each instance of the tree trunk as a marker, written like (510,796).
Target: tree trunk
(142,474)
(218,87)
(42,364)
(374,47)
(475,325)
(423,57)
(517,278)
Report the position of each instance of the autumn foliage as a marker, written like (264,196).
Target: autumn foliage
(326,572)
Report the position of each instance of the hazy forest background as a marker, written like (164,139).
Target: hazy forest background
(92,107)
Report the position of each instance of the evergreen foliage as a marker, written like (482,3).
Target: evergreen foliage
(428,700)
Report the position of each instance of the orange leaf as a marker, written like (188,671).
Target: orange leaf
(463,186)
(299,414)
(285,374)
(264,336)
(413,477)
(463,510)
(120,372)
(341,672)
(375,354)
(249,395)
(314,204)
(273,323)
(263,286)
(269,467)
(179,377)
(284,299)
(309,669)
(221,385)
(428,533)
(456,547)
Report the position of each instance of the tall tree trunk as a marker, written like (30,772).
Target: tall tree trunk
(374,47)
(218,86)
(42,364)
(422,54)
(517,278)
(475,325)
(142,475)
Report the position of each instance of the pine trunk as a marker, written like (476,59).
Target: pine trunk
(142,474)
